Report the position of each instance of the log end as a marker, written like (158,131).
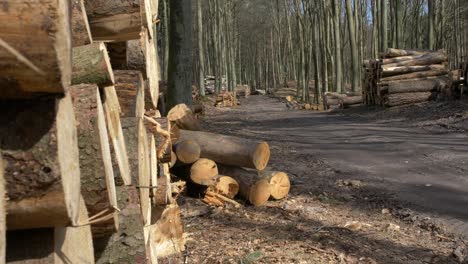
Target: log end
(260,193)
(188,151)
(280,185)
(204,172)
(227,186)
(261,156)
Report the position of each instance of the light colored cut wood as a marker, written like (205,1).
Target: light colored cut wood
(182,117)
(91,65)
(204,172)
(41,162)
(35,47)
(279,182)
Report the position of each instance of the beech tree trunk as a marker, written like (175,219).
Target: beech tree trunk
(91,65)
(44,66)
(97,175)
(40,136)
(118,54)
(230,150)
(398,99)
(81,34)
(256,191)
(279,182)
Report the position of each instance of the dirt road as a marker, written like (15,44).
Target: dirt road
(374,192)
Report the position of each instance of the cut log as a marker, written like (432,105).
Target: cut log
(118,55)
(398,99)
(279,182)
(138,152)
(91,65)
(414,75)
(230,150)
(182,117)
(167,235)
(204,172)
(81,34)
(226,186)
(35,53)
(129,86)
(40,150)
(97,175)
(391,52)
(390,70)
(2,213)
(114,126)
(187,151)
(61,245)
(410,86)
(350,100)
(255,190)
(126,245)
(111,20)
(426,59)
(197,108)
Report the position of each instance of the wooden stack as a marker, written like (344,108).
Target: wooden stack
(226,99)
(217,167)
(404,77)
(78,139)
(337,101)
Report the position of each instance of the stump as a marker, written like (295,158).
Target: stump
(40,150)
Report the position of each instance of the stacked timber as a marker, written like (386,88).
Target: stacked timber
(337,101)
(404,77)
(217,168)
(226,99)
(79,162)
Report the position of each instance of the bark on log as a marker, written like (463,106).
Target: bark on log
(97,175)
(127,245)
(350,100)
(61,245)
(230,150)
(187,151)
(91,65)
(182,117)
(138,152)
(114,126)
(204,172)
(129,86)
(256,191)
(414,75)
(35,48)
(426,59)
(279,182)
(118,55)
(396,70)
(81,34)
(391,52)
(226,186)
(398,99)
(410,86)
(2,213)
(111,20)
(40,150)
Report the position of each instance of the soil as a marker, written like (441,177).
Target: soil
(344,206)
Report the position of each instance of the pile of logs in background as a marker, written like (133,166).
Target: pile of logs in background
(80,135)
(404,77)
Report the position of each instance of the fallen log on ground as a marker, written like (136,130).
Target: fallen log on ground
(204,172)
(398,99)
(97,174)
(279,182)
(35,53)
(40,150)
(53,245)
(230,150)
(91,65)
(256,191)
(187,151)
(81,34)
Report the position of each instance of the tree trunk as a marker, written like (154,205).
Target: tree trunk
(201,55)
(384,25)
(409,86)
(431,24)
(187,151)
(182,117)
(230,150)
(81,34)
(111,20)
(40,135)
(203,172)
(97,175)
(256,191)
(60,245)
(180,54)
(398,99)
(416,75)
(43,65)
(279,182)
(91,65)
(391,70)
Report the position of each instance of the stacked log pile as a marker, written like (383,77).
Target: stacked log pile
(337,101)
(402,77)
(217,168)
(83,148)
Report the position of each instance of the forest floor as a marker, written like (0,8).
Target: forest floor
(368,186)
